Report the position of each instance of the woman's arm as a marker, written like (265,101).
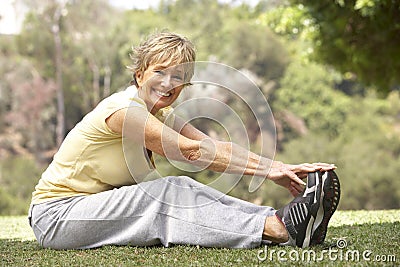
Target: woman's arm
(140,126)
(188,130)
(256,165)
(277,169)
(143,128)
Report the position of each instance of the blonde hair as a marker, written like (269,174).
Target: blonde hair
(163,47)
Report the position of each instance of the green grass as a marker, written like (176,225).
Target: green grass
(375,233)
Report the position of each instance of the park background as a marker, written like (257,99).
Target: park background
(329,69)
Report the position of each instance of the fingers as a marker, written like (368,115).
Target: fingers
(295,189)
(303,168)
(294,177)
(308,166)
(324,166)
(300,169)
(302,175)
(293,192)
(290,176)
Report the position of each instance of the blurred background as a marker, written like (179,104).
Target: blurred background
(329,69)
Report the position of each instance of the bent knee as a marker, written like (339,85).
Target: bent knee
(185,181)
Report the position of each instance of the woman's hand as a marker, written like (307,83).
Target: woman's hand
(290,176)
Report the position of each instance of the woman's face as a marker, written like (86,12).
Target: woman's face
(160,85)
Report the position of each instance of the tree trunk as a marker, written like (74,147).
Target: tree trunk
(60,128)
(107,81)
(95,82)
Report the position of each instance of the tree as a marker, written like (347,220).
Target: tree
(366,151)
(307,91)
(194,18)
(51,15)
(55,24)
(30,112)
(257,49)
(26,110)
(81,54)
(357,36)
(95,47)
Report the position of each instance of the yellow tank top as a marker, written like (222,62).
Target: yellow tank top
(92,158)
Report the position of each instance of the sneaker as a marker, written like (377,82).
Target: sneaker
(299,216)
(329,201)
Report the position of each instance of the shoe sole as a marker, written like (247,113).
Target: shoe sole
(320,213)
(316,207)
(330,197)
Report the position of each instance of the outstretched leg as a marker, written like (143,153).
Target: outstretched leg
(171,210)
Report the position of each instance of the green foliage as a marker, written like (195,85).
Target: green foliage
(335,118)
(290,20)
(18,177)
(347,35)
(257,49)
(366,151)
(307,91)
(7,205)
(35,46)
(194,18)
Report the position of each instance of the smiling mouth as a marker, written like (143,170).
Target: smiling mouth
(163,94)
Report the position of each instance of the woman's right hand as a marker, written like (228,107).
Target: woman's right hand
(290,176)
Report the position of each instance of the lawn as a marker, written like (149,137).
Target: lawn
(355,238)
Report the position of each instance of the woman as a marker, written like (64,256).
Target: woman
(90,195)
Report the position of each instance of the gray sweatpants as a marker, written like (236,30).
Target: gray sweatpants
(171,210)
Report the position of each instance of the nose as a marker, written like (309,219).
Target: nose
(166,81)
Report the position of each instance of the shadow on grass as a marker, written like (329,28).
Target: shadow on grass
(380,239)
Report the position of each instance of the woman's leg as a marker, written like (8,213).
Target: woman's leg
(171,210)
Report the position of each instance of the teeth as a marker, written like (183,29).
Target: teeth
(162,93)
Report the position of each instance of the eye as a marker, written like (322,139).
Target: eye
(159,72)
(177,77)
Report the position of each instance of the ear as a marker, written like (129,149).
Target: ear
(139,77)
